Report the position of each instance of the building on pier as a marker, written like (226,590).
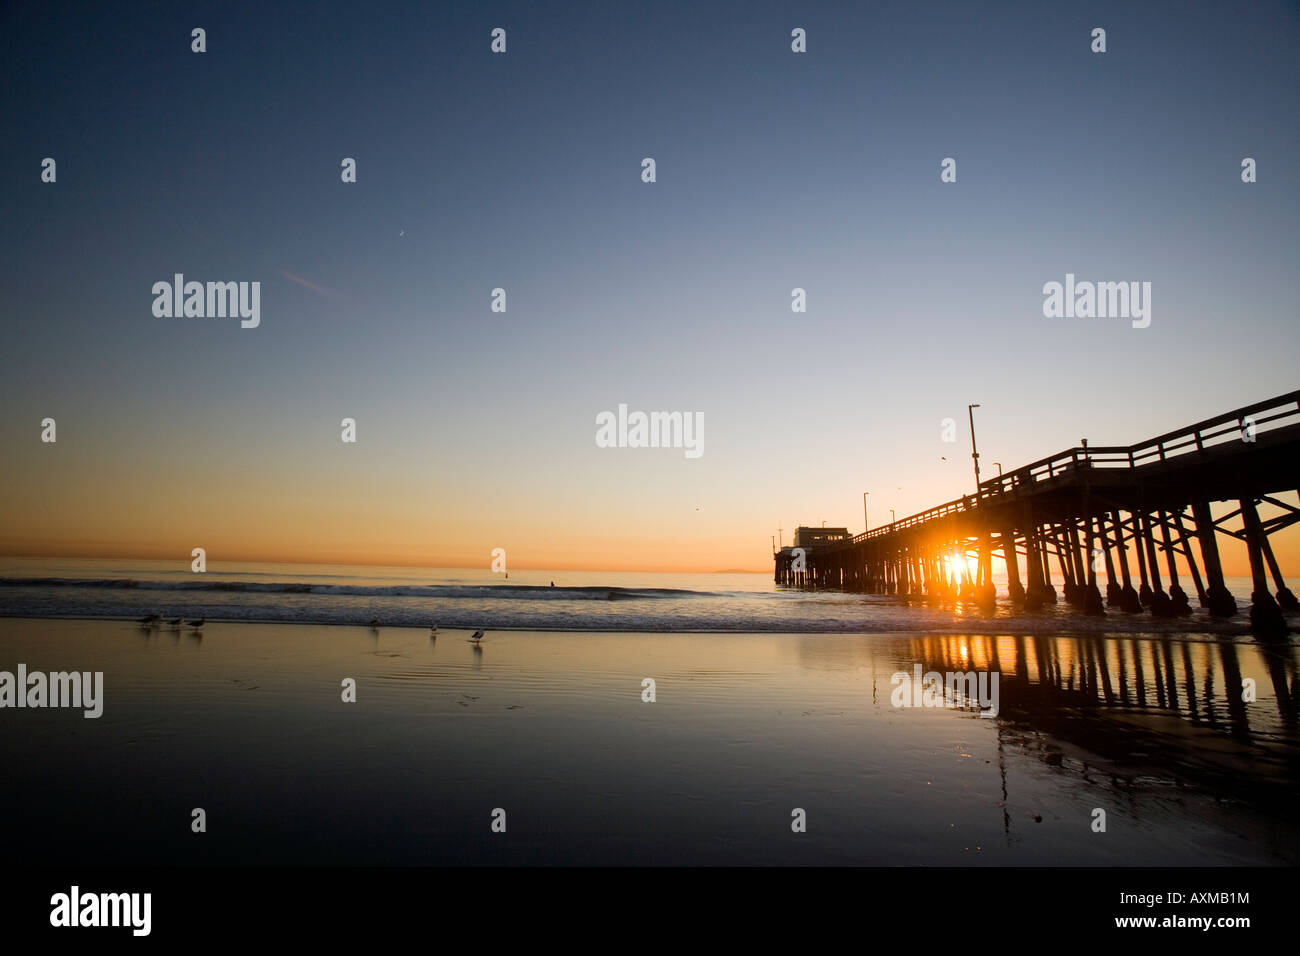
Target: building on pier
(807,538)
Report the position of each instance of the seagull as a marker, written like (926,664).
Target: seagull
(374,624)
(477,636)
(433,631)
(197,625)
(153,620)
(175,625)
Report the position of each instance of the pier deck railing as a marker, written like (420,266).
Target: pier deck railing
(1260,417)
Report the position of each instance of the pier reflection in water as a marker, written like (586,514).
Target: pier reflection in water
(1137,710)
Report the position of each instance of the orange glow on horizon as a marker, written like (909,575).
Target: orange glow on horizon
(650,556)
(105,502)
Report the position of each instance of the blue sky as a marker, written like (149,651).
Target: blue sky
(522,170)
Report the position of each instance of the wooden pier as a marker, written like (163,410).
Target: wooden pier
(1122,512)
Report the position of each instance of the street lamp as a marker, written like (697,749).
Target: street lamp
(865,527)
(974,453)
(999,464)
(892,519)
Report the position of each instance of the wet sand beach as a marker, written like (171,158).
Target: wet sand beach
(247,722)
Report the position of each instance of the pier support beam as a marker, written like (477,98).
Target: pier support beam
(1139,545)
(1014,587)
(1179,604)
(1064,556)
(1091,595)
(1049,589)
(1160,604)
(1129,601)
(1186,544)
(1220,601)
(1114,592)
(1265,616)
(1034,596)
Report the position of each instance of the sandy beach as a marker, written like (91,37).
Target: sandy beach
(247,722)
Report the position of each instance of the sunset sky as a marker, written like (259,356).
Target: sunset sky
(775,170)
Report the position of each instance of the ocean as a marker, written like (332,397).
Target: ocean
(534,600)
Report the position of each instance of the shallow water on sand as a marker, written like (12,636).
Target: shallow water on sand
(247,722)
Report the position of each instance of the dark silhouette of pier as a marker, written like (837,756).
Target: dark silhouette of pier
(1115,712)
(1117,510)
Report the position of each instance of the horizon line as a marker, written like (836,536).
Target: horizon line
(365,564)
